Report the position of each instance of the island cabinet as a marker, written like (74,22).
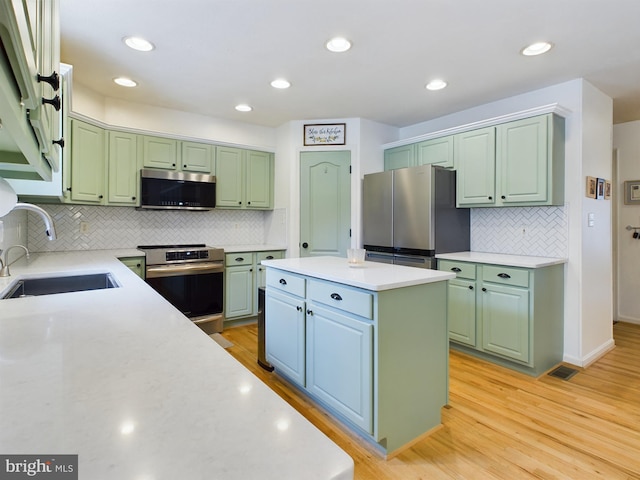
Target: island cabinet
(382,372)
(519,163)
(510,315)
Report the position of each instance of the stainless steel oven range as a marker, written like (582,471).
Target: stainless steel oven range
(191,278)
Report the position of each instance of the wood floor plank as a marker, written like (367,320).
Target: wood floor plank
(501,424)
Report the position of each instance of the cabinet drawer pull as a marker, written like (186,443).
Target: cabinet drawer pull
(504,275)
(239,259)
(53,80)
(269,257)
(283,281)
(336,296)
(54,102)
(456,269)
(59,142)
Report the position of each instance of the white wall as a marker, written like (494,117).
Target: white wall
(587,331)
(364,140)
(626,140)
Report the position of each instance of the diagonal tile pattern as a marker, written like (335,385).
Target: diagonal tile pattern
(537,231)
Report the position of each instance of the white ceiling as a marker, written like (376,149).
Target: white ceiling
(213,54)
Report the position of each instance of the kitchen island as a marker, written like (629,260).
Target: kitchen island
(122,379)
(367,342)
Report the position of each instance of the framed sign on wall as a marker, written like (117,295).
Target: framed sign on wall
(325,134)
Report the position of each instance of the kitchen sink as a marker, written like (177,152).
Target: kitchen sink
(28,287)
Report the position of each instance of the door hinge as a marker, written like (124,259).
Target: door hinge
(349,169)
(349,233)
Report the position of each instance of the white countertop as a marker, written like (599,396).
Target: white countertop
(503,259)
(369,275)
(251,248)
(124,380)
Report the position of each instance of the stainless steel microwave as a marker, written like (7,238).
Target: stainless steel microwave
(169,190)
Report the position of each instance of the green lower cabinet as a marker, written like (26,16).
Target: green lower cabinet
(285,335)
(135,264)
(514,317)
(462,311)
(243,276)
(339,363)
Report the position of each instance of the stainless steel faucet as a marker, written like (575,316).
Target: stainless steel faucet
(4,271)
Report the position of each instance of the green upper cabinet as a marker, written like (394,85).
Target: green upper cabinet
(438,151)
(475,162)
(400,157)
(530,161)
(197,157)
(244,179)
(123,170)
(87,163)
(519,163)
(158,152)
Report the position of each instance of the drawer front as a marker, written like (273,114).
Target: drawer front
(461,269)
(505,275)
(286,282)
(260,256)
(353,301)
(242,258)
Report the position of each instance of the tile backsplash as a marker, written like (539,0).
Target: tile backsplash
(81,227)
(537,231)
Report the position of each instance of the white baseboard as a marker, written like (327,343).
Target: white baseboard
(622,318)
(592,356)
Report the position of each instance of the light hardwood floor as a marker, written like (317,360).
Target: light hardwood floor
(504,425)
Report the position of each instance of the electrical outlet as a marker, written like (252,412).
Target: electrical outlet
(84,227)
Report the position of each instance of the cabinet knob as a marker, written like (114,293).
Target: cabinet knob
(484,289)
(336,296)
(53,80)
(239,203)
(100,197)
(503,197)
(138,265)
(173,164)
(283,281)
(490,198)
(55,102)
(305,245)
(60,142)
(184,166)
(470,287)
(248,203)
(299,308)
(309,312)
(133,198)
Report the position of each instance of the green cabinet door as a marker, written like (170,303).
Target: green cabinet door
(339,369)
(239,284)
(87,163)
(521,158)
(400,157)
(462,311)
(438,151)
(123,171)
(259,180)
(135,264)
(474,154)
(505,321)
(285,335)
(197,157)
(158,152)
(229,177)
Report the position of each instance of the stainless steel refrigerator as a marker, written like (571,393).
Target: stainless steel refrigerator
(410,215)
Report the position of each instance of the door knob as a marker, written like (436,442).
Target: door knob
(305,245)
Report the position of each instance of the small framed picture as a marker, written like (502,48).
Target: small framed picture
(325,134)
(591,187)
(607,189)
(632,192)
(600,189)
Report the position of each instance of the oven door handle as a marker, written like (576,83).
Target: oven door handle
(158,271)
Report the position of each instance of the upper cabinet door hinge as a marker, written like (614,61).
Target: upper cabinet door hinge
(349,169)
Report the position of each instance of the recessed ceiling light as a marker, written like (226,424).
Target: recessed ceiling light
(138,43)
(280,83)
(537,48)
(436,85)
(243,108)
(338,45)
(125,82)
